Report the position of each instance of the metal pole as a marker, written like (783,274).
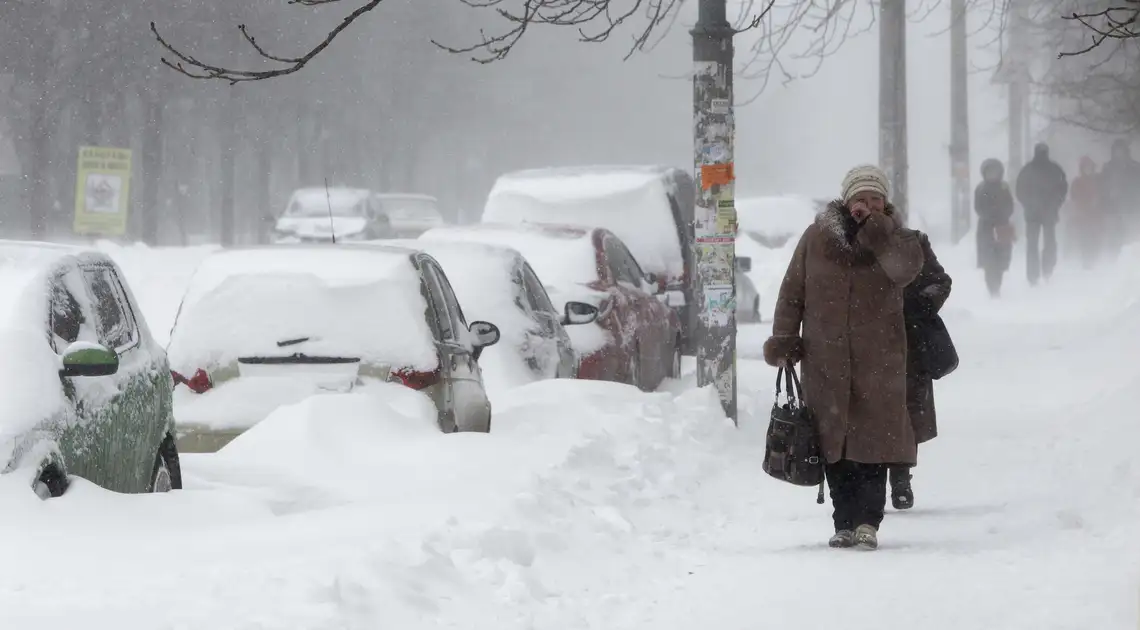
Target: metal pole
(713,286)
(892,99)
(959,124)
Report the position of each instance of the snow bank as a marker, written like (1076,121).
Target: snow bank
(592,505)
(347,302)
(633,204)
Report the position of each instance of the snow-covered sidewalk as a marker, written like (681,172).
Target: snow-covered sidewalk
(596,506)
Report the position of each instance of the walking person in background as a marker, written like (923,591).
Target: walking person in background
(1086,221)
(1041,189)
(840,312)
(922,300)
(993,202)
(1120,179)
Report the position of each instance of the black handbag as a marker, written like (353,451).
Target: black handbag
(792,451)
(936,352)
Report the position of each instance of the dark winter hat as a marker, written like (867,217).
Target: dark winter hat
(993,165)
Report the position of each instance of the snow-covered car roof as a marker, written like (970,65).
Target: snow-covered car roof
(561,256)
(347,301)
(632,202)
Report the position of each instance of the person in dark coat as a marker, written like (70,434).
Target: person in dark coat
(1120,181)
(1041,189)
(840,312)
(922,300)
(993,203)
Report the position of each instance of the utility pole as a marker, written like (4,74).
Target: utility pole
(892,99)
(713,286)
(959,125)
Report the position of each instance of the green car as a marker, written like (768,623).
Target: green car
(88,391)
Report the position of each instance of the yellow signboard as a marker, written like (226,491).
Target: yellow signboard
(102,191)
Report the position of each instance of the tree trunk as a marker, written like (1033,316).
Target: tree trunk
(227,144)
(264,170)
(306,147)
(151,165)
(35,175)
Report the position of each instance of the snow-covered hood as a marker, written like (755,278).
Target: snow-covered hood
(321,227)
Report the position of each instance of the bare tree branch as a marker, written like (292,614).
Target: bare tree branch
(196,69)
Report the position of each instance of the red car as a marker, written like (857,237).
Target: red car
(636,338)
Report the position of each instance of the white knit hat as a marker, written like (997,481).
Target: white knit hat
(863,178)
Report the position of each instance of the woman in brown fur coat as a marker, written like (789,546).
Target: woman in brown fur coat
(844,290)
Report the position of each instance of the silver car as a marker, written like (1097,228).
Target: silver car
(409,215)
(497,283)
(263,327)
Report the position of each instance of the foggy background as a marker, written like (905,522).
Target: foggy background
(385,108)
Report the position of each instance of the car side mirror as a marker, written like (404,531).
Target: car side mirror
(744,264)
(88,359)
(578,313)
(485,333)
(655,282)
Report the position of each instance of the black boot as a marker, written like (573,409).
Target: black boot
(902,496)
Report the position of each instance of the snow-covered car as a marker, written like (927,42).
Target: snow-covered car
(320,215)
(264,327)
(650,208)
(87,389)
(747,296)
(636,337)
(774,221)
(497,284)
(410,215)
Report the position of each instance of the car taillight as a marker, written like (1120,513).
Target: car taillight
(200,383)
(414,379)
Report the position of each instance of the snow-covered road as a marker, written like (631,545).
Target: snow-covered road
(595,506)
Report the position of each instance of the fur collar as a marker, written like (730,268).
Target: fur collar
(839,231)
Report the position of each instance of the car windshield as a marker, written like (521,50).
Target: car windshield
(411,208)
(320,204)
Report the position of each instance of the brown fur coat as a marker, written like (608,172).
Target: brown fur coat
(844,290)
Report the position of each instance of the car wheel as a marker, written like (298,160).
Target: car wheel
(51,482)
(167,472)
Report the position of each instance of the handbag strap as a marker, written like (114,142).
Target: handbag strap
(789,377)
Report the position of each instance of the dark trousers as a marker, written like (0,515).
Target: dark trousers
(993,280)
(1040,259)
(858,493)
